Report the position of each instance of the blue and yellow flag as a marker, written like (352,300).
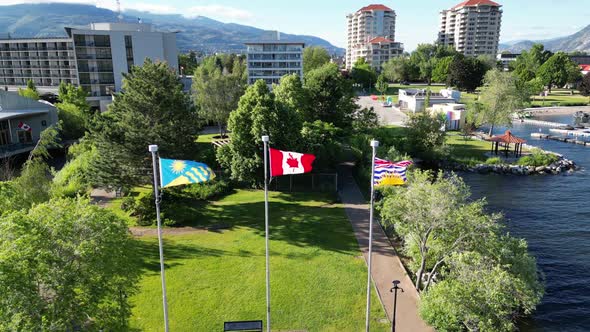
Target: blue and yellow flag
(178,172)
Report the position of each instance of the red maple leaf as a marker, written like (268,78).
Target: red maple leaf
(292,162)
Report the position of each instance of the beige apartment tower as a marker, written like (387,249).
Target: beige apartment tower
(371,35)
(472,27)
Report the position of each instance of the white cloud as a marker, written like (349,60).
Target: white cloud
(219,12)
(224,13)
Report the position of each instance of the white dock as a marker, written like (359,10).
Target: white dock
(575,132)
(560,138)
(542,123)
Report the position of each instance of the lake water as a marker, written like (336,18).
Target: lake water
(552,213)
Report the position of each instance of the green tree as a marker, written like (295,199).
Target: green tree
(466,73)
(382,85)
(528,62)
(30,91)
(257,115)
(291,94)
(33,185)
(322,140)
(584,86)
(152,109)
(425,58)
(216,90)
(365,120)
(399,69)
(435,219)
(484,293)
(71,94)
(424,137)
(188,62)
(558,70)
(65,265)
(441,70)
(314,57)
(330,95)
(363,74)
(75,177)
(500,98)
(73,121)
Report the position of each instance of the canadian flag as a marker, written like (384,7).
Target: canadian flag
(24,126)
(287,162)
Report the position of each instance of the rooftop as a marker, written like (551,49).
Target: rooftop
(473,3)
(507,138)
(375,7)
(380,40)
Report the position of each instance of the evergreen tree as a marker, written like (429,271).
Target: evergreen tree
(151,109)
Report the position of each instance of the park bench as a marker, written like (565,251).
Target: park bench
(244,326)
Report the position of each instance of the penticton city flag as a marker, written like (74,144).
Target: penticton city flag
(389,173)
(287,162)
(178,172)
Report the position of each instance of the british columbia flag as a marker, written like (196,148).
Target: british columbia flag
(390,173)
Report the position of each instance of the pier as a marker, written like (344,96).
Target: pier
(543,123)
(561,138)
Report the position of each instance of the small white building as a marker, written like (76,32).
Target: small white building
(455,114)
(34,117)
(413,99)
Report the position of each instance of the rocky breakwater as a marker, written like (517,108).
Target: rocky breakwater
(563,165)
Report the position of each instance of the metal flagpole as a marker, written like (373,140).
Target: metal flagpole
(265,141)
(154,149)
(374,145)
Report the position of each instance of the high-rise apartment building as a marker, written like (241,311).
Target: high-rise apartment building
(371,35)
(95,58)
(270,60)
(472,27)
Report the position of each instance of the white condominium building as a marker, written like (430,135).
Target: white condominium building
(95,58)
(371,35)
(472,27)
(270,60)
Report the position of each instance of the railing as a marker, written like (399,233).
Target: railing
(6,149)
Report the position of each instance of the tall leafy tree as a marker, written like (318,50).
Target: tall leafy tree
(291,94)
(330,95)
(314,57)
(466,73)
(425,58)
(501,96)
(257,114)
(65,265)
(188,62)
(400,69)
(217,89)
(528,62)
(151,109)
(441,70)
(424,137)
(363,74)
(382,85)
(558,70)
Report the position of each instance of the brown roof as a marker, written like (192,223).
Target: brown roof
(380,40)
(374,7)
(472,3)
(506,138)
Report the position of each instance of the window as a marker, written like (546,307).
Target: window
(4,133)
(25,136)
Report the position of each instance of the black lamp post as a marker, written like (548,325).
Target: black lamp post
(394,291)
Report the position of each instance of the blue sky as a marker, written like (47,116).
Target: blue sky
(417,19)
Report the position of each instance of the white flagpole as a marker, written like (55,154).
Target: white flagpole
(154,149)
(265,141)
(374,145)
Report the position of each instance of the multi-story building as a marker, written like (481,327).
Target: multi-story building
(371,35)
(506,59)
(472,27)
(270,60)
(95,58)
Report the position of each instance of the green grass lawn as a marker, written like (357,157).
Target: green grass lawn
(317,272)
(462,148)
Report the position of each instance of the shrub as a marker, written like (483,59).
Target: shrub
(144,209)
(128,203)
(538,158)
(494,161)
(207,190)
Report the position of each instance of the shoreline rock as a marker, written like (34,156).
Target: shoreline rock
(563,165)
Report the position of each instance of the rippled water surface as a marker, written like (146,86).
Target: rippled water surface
(553,214)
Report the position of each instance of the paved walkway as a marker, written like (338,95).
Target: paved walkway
(386,264)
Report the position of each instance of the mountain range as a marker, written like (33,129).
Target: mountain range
(579,41)
(199,33)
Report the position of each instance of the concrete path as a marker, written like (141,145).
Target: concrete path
(101,197)
(387,115)
(386,264)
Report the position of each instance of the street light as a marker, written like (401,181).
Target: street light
(394,291)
